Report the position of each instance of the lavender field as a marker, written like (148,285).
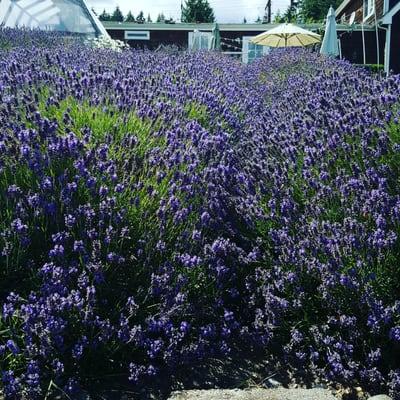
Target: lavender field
(161,211)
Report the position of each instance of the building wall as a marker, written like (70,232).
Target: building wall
(180,38)
(355,48)
(352,46)
(353,6)
(351,42)
(357,7)
(379,9)
(395,44)
(157,38)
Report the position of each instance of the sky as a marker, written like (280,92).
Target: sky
(225,10)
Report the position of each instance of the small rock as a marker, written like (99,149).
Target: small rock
(272,383)
(320,386)
(380,397)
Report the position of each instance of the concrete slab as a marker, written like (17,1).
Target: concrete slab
(254,394)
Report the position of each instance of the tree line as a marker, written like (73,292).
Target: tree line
(306,11)
(118,16)
(192,11)
(200,11)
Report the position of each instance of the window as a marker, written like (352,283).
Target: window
(251,51)
(368,9)
(137,35)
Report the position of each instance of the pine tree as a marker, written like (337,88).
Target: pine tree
(197,11)
(244,20)
(117,15)
(140,19)
(258,20)
(161,18)
(130,17)
(290,14)
(278,19)
(316,10)
(104,16)
(149,19)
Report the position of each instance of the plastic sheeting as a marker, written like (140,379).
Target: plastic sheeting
(199,40)
(57,15)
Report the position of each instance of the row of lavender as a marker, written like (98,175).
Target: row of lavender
(162,210)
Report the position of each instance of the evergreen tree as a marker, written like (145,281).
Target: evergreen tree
(316,10)
(117,15)
(130,17)
(258,20)
(278,19)
(197,11)
(161,18)
(149,19)
(104,16)
(140,19)
(244,20)
(290,14)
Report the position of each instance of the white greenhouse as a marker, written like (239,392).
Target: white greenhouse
(73,16)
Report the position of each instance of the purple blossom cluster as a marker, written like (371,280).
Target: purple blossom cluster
(161,210)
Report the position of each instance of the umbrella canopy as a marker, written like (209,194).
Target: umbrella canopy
(330,46)
(286,35)
(215,43)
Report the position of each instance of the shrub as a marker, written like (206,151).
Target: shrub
(162,210)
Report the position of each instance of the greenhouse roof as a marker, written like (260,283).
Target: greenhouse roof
(56,15)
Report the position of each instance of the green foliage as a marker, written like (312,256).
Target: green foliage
(197,11)
(160,18)
(117,15)
(140,19)
(105,16)
(290,15)
(375,68)
(130,17)
(277,17)
(316,10)
(149,20)
(199,113)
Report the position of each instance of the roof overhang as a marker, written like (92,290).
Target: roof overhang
(342,6)
(111,25)
(387,18)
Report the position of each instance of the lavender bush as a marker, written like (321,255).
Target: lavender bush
(161,210)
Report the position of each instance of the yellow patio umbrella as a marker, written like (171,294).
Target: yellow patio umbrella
(286,35)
